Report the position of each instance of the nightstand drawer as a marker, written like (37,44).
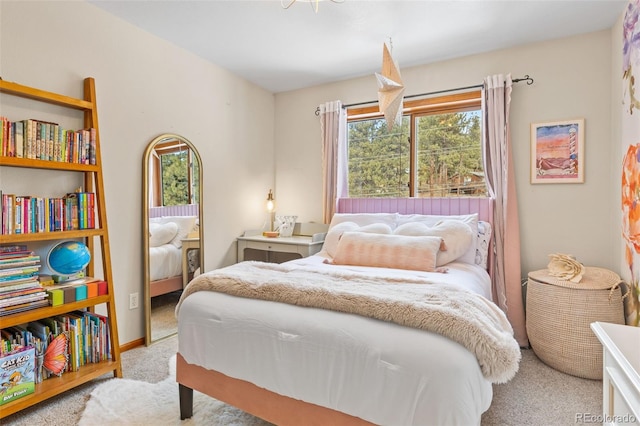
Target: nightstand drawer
(267,246)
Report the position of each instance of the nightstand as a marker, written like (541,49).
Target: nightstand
(280,249)
(188,244)
(559,314)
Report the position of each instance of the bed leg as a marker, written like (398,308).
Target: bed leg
(186,401)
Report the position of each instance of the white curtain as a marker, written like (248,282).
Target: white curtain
(500,177)
(333,127)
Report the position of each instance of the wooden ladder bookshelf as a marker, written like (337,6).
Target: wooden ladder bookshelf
(93,182)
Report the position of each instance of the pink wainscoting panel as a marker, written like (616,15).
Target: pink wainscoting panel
(439,206)
(181,210)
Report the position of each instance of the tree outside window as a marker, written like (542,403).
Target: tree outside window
(434,152)
(178,175)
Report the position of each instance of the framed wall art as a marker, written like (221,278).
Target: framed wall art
(557,152)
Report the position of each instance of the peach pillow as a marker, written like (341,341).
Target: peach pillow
(416,253)
(456,235)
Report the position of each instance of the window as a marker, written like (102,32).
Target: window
(434,152)
(178,176)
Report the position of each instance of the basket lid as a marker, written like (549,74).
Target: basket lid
(593,279)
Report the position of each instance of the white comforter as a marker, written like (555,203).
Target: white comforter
(382,372)
(165,261)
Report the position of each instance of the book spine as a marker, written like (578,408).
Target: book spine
(5,213)
(28,136)
(18,214)
(3,143)
(92,138)
(38,140)
(19,142)
(92,210)
(52,132)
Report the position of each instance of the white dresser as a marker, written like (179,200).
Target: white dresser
(621,373)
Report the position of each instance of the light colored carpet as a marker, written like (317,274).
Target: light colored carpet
(156,404)
(538,395)
(163,318)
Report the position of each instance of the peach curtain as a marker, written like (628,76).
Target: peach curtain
(500,177)
(333,127)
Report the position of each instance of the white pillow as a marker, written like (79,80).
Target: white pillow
(185,225)
(483,243)
(470,219)
(456,235)
(161,233)
(335,232)
(363,219)
(387,251)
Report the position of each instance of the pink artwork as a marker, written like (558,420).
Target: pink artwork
(557,152)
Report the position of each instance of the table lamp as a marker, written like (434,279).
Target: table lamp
(271,208)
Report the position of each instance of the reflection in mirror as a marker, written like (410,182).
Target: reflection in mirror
(171,228)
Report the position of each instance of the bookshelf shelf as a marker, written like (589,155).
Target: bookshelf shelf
(16,89)
(56,385)
(36,314)
(43,236)
(97,240)
(44,164)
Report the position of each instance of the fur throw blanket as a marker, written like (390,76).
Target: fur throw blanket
(458,314)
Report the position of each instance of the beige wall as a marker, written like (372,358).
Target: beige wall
(144,87)
(572,80)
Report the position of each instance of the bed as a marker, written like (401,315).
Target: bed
(355,335)
(168,226)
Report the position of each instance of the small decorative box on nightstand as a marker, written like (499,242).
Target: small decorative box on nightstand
(559,314)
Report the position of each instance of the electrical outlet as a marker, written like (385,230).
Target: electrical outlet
(133,301)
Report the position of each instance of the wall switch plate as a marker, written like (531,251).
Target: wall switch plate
(133,301)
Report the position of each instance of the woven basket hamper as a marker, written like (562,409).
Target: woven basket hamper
(559,314)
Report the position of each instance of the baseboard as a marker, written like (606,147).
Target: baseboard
(131,345)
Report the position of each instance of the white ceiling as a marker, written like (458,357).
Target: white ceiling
(283,50)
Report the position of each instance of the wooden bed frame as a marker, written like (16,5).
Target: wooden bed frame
(166,285)
(282,410)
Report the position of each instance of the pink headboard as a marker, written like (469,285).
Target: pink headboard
(440,206)
(181,210)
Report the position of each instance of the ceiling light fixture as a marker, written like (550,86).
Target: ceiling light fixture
(286,4)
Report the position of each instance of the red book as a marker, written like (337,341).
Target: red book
(102,288)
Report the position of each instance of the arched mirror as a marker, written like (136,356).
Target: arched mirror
(172,231)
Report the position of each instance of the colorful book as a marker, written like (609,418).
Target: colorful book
(16,248)
(19,139)
(19,370)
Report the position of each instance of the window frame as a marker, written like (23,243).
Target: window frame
(451,103)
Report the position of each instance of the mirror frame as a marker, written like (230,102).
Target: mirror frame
(165,137)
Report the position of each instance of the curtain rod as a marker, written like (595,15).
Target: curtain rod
(526,78)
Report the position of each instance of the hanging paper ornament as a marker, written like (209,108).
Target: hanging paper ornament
(390,89)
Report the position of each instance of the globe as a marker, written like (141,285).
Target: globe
(68,257)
